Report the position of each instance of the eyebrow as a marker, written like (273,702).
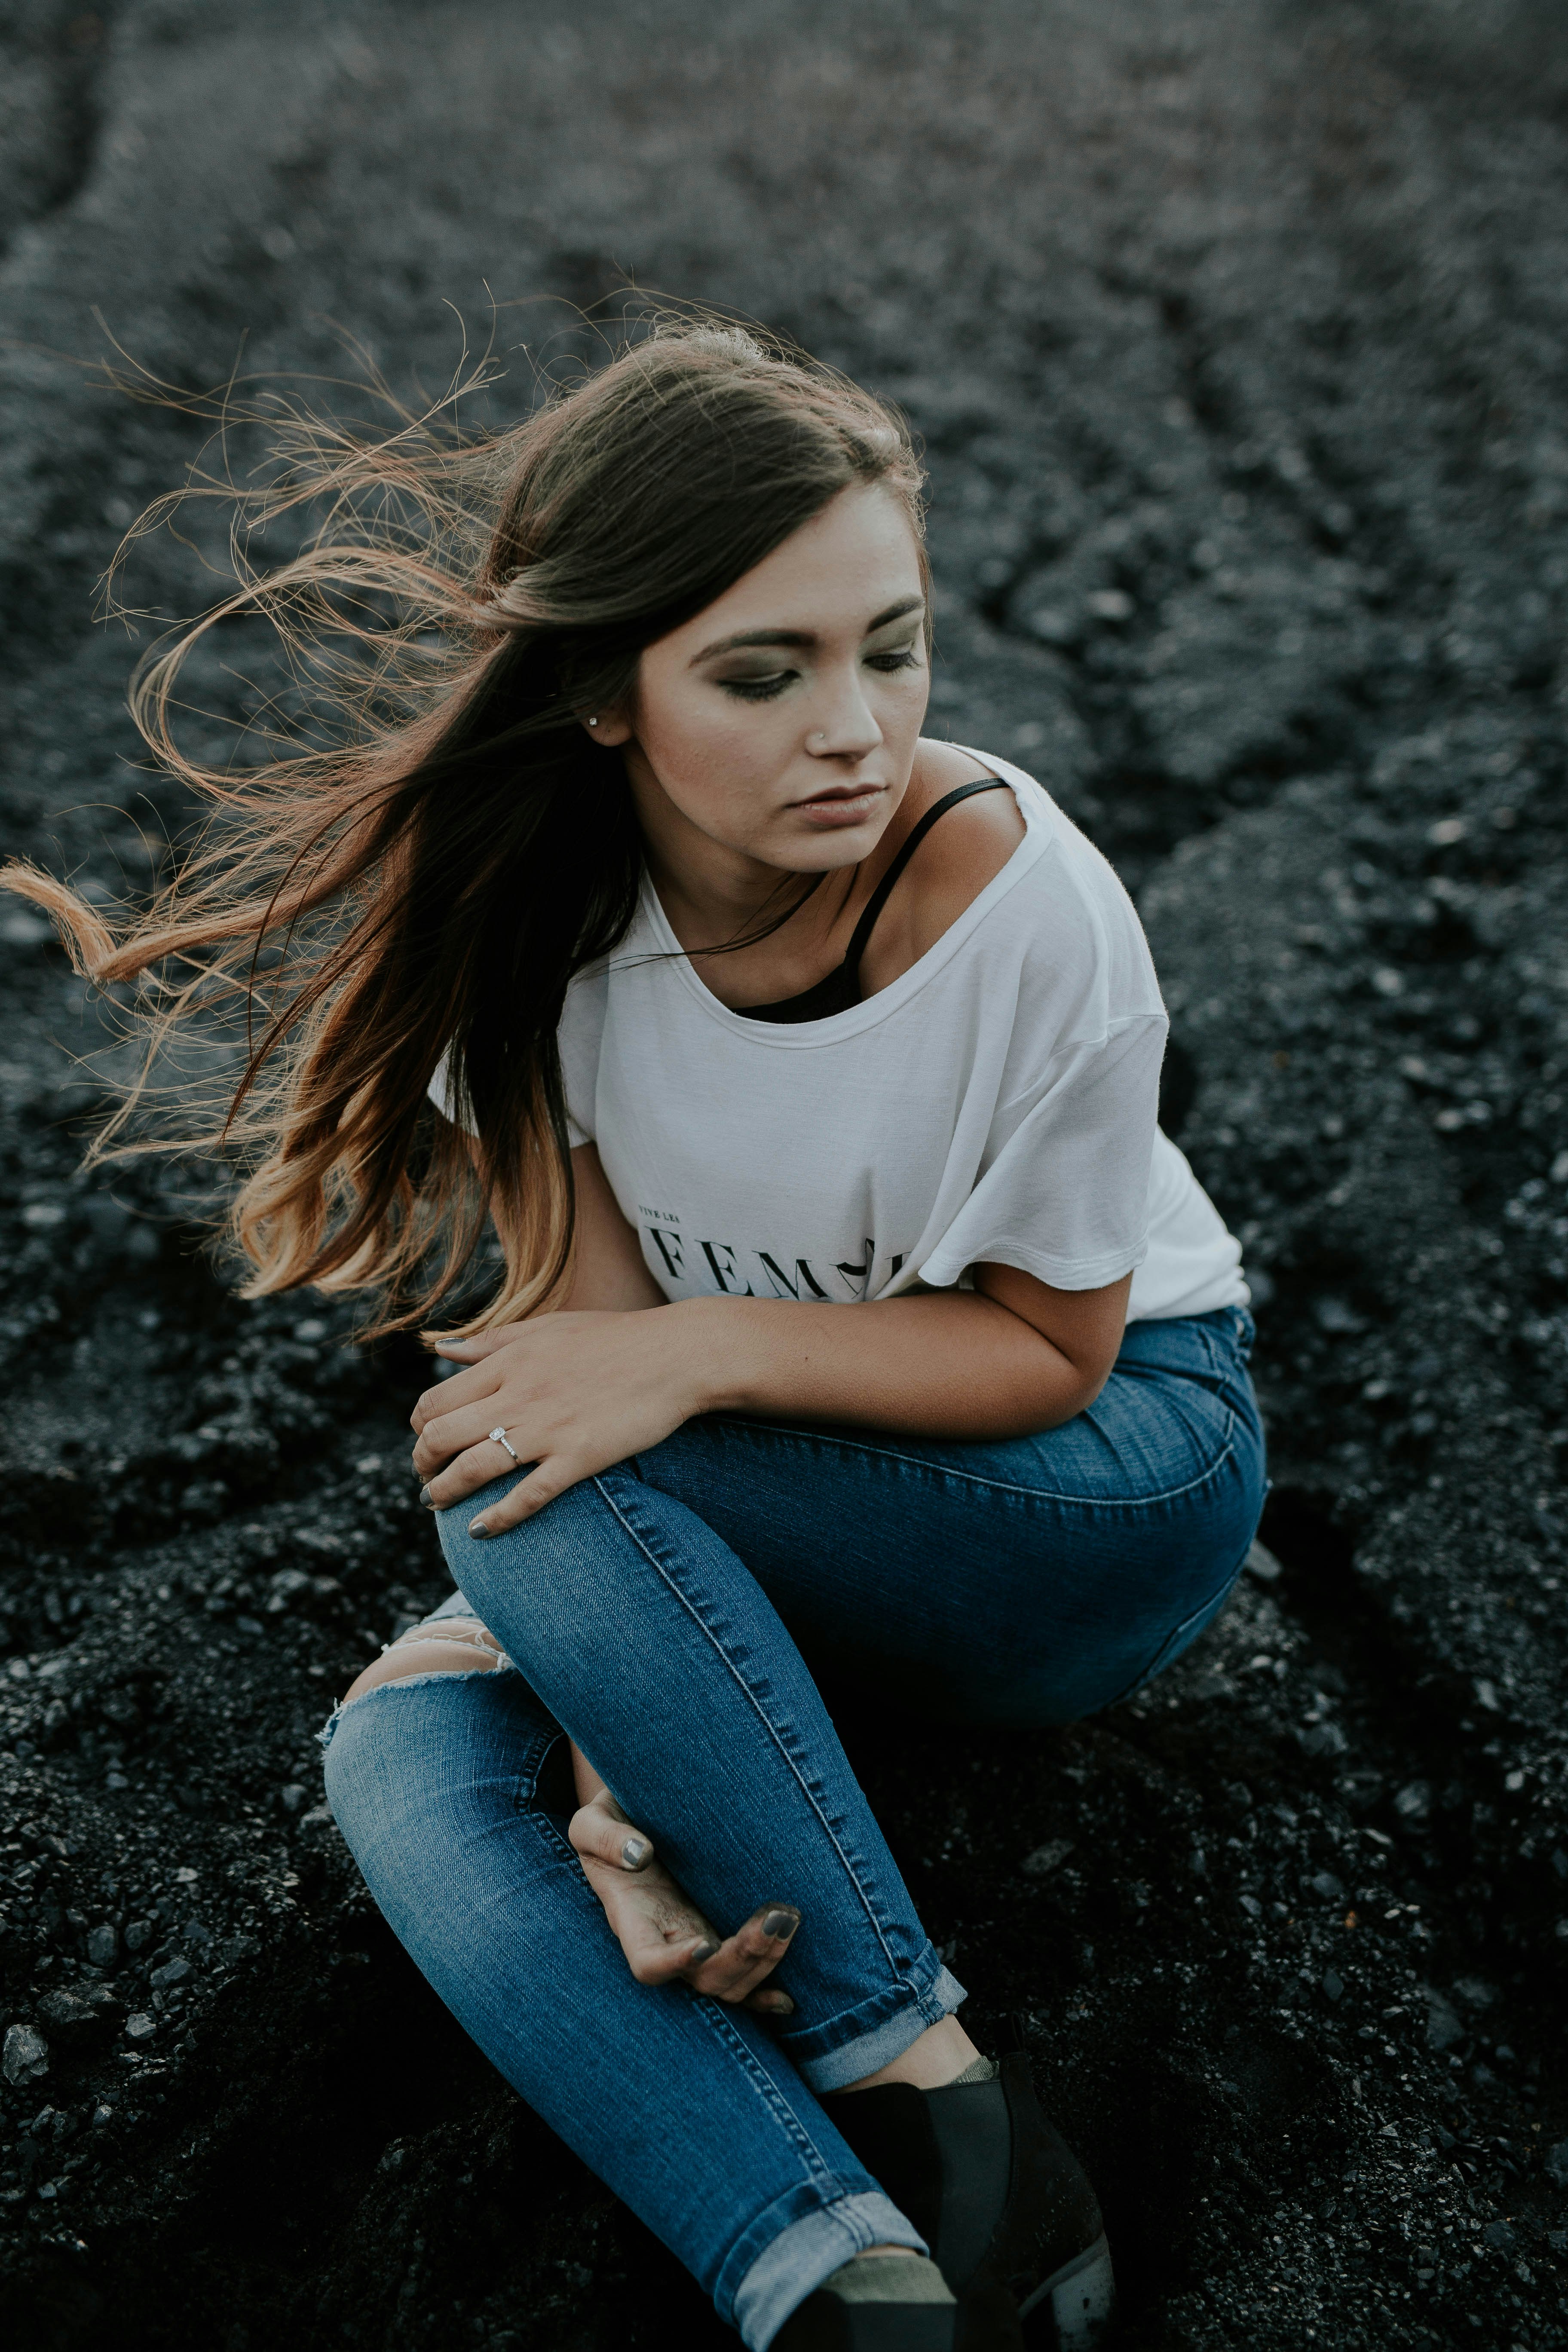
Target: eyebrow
(799,636)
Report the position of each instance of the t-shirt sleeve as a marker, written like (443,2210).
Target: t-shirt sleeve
(1064,1191)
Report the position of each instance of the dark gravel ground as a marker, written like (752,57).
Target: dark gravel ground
(1237,334)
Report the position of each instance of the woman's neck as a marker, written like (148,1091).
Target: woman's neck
(712,893)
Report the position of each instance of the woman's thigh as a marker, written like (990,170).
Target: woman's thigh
(1032,1580)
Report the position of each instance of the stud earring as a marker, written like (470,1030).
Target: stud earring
(593,722)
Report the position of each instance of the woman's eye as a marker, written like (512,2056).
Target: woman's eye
(886,662)
(757,689)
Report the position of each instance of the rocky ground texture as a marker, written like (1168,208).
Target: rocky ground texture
(1236,330)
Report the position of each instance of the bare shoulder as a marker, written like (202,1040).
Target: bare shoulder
(962,852)
(966,849)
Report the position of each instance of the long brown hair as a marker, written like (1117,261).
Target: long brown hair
(429,878)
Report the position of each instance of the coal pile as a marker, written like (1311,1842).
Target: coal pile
(1237,334)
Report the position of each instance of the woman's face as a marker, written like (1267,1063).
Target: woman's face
(781,724)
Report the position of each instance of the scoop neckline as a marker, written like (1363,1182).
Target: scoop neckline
(1033,806)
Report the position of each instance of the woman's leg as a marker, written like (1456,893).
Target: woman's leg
(1032,1580)
(651,1643)
(685,2107)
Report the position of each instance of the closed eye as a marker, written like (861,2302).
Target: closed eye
(758,689)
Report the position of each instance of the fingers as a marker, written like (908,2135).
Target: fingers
(771,2001)
(480,1344)
(459,1424)
(480,1466)
(545,1481)
(736,1969)
(468,1378)
(600,1832)
(663,1935)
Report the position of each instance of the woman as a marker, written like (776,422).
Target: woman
(740,1004)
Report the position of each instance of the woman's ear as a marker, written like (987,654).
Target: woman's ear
(607,726)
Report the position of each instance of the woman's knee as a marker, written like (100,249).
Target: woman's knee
(378,1756)
(453,1645)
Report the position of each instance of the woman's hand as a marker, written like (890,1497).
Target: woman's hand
(574,1393)
(661,1931)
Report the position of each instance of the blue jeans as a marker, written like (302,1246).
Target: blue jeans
(659,1614)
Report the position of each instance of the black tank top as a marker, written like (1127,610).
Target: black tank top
(841,988)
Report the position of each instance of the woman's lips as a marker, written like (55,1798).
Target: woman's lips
(841,808)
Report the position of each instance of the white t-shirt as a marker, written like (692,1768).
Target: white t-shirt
(997,1102)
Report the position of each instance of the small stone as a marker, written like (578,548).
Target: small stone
(69,2012)
(25,2056)
(1557,2164)
(101,1945)
(1323,1739)
(1443,2025)
(1499,2234)
(102,2116)
(1046,1858)
(1414,1801)
(173,1972)
(292,1797)
(140,2028)
(1326,1884)
(1333,1986)
(137,1933)
(1251,1906)
(1261,1563)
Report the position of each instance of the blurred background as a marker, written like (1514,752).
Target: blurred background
(1235,333)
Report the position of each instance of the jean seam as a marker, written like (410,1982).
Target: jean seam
(771,1729)
(1215,1601)
(819,2172)
(1043,1494)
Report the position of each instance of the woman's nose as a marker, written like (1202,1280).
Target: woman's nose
(843,724)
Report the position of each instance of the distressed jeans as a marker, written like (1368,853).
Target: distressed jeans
(662,1615)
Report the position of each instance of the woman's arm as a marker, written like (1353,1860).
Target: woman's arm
(608,1275)
(581,1389)
(1010,1356)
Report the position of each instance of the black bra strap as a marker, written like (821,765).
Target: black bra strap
(879,898)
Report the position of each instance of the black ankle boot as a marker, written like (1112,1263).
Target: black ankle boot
(998,2196)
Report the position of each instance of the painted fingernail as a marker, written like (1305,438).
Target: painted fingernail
(704,1952)
(781,1924)
(428,1498)
(634,1853)
(478,1527)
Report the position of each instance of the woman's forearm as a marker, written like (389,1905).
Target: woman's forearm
(954,1364)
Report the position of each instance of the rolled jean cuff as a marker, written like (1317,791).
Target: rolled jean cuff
(859,2041)
(796,2262)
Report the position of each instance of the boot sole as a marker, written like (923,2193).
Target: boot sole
(1073,2310)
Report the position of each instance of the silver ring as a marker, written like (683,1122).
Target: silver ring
(498,1437)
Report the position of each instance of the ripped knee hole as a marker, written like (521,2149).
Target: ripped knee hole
(448,1645)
